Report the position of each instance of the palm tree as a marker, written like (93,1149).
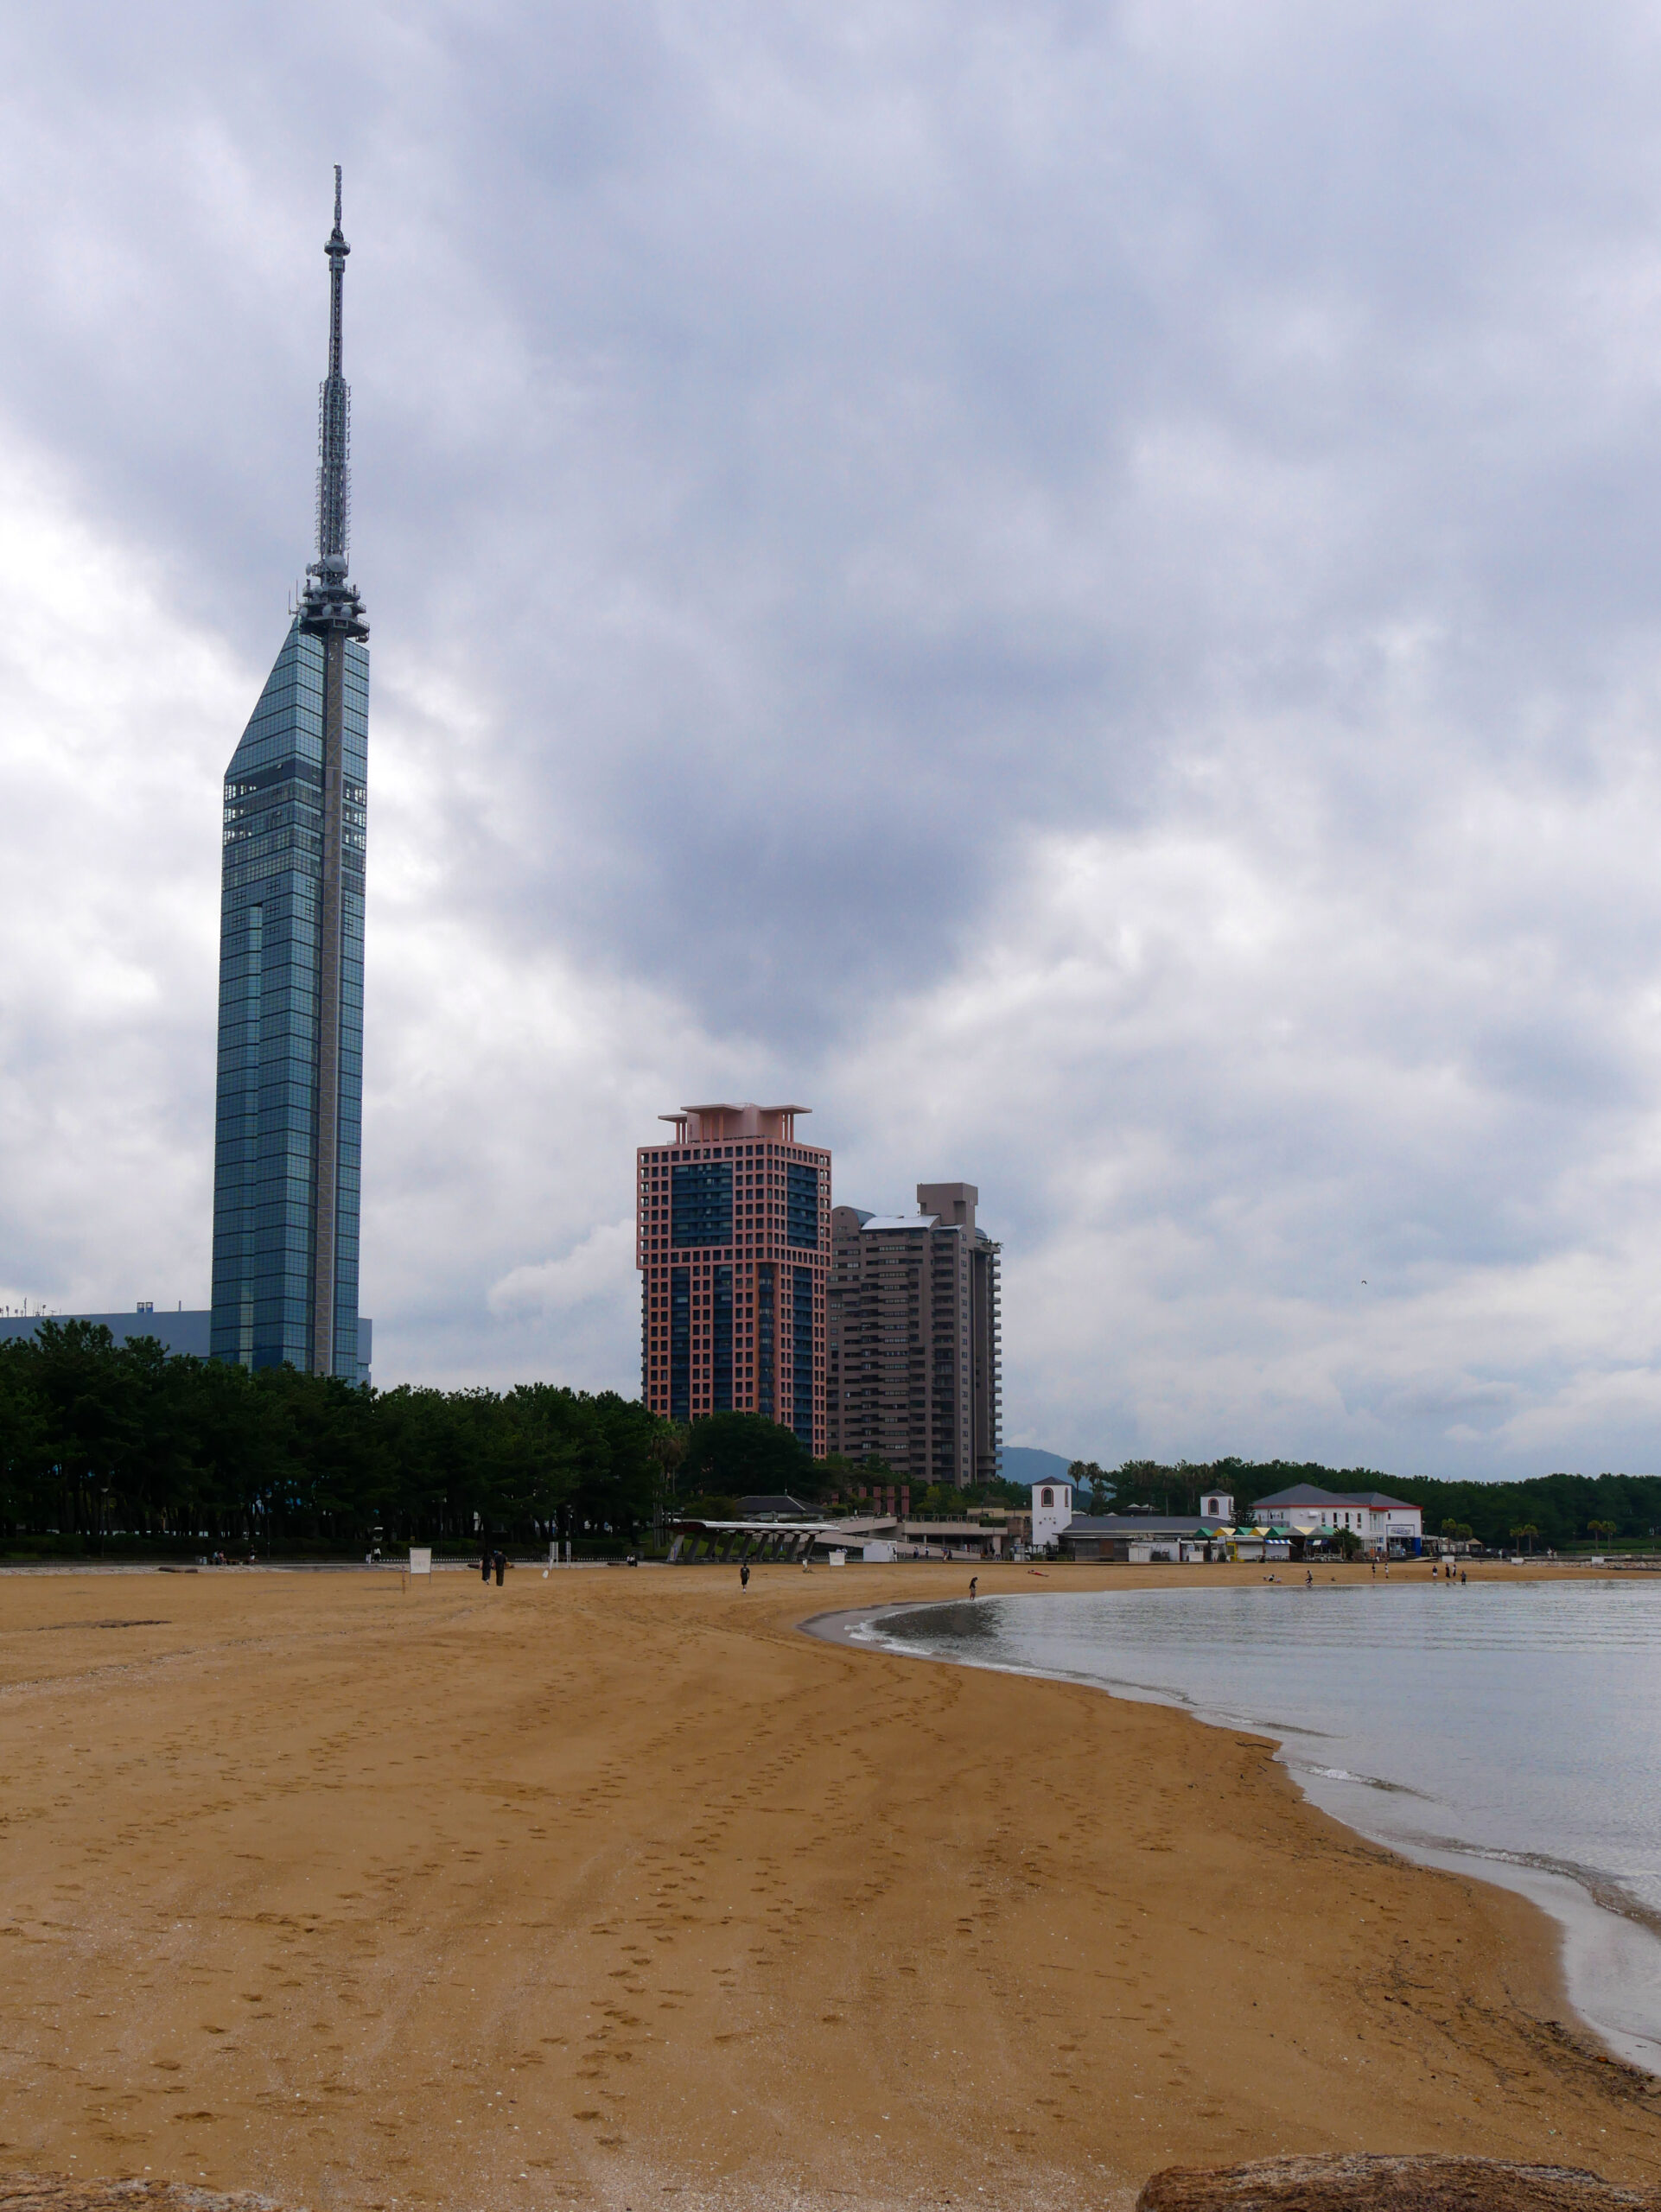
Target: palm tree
(1525,1530)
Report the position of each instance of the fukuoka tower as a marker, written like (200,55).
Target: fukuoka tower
(289,1135)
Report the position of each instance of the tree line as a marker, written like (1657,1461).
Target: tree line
(107,1445)
(1547,1511)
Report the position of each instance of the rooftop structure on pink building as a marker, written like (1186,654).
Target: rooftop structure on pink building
(713,1124)
(733,1243)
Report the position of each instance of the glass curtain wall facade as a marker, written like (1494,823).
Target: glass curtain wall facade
(266,1218)
(288,1141)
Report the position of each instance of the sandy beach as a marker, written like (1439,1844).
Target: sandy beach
(614,1886)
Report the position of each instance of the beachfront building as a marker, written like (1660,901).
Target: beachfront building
(178,1332)
(183,1334)
(914,1356)
(733,1242)
(1052,1512)
(1144,1538)
(288,1145)
(945,1540)
(1383,1524)
(1137,1538)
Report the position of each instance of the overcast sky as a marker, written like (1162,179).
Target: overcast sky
(1074,586)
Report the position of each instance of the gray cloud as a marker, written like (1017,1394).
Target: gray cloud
(1075,585)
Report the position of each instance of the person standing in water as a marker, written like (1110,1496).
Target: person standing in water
(973,1592)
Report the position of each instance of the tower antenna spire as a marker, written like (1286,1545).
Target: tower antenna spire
(330,602)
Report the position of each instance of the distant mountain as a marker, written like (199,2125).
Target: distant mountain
(1025,1463)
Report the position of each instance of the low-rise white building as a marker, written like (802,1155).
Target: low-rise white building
(1383,1524)
(1052,1511)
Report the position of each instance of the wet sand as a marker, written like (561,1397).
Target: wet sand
(615,1887)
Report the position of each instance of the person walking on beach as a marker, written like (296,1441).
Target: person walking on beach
(973,1592)
(500,1565)
(1308,1578)
(744,1576)
(484,1561)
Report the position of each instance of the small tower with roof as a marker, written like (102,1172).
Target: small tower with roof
(1051,1511)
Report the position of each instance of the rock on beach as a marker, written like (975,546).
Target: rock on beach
(1369,2181)
(57,2193)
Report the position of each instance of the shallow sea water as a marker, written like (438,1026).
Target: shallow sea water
(1508,1729)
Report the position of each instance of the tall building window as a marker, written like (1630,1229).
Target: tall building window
(721,1341)
(680,1343)
(801,1205)
(764,1340)
(802,1353)
(701,1208)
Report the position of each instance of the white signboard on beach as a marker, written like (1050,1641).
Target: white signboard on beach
(421,1559)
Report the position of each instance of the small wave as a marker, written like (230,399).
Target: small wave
(1606,1889)
(1364,1780)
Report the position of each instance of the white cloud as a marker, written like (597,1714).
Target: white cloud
(1077,589)
(599,1270)
(113,706)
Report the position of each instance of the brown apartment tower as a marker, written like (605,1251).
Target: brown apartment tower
(915,1362)
(734,1246)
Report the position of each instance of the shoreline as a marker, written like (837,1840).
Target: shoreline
(618,1887)
(1587,1909)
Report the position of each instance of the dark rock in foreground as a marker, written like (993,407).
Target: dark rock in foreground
(1365,2182)
(53,2193)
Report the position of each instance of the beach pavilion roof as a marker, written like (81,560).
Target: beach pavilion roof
(1308,1494)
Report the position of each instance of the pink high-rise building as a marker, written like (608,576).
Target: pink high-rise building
(733,1243)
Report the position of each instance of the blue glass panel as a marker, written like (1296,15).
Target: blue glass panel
(701,1208)
(801,1204)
